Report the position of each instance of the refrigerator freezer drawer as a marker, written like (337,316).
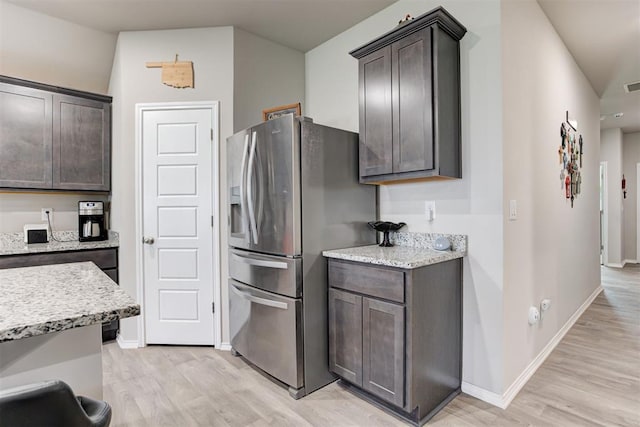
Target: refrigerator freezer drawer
(267,330)
(276,274)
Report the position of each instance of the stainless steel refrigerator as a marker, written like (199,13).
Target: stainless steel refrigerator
(293,192)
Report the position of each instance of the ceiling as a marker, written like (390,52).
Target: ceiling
(604,38)
(299,24)
(602,35)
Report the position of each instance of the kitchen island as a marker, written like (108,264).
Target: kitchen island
(50,324)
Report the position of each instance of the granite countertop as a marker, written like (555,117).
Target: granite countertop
(411,250)
(13,243)
(51,298)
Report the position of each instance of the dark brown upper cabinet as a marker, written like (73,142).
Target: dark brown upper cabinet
(409,89)
(53,138)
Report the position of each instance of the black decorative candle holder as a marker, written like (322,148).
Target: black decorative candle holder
(385,227)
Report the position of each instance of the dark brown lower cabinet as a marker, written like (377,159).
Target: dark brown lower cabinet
(106,259)
(395,335)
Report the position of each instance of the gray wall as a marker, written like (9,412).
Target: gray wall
(265,75)
(211,50)
(552,249)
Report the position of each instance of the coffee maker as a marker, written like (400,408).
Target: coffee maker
(91,221)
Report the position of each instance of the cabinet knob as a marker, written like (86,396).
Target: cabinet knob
(148,240)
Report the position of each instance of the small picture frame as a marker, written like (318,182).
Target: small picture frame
(275,112)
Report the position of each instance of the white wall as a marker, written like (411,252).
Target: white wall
(211,50)
(37,47)
(551,250)
(472,205)
(266,75)
(630,160)
(611,152)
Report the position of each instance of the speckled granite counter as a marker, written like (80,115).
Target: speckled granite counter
(412,250)
(41,300)
(13,243)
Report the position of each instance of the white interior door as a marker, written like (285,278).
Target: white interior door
(178,226)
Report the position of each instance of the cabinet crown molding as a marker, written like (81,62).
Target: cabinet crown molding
(438,16)
(55,89)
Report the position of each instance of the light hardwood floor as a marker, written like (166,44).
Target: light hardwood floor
(592,378)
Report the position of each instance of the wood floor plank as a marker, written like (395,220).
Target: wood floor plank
(591,378)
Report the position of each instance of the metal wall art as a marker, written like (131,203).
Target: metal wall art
(570,157)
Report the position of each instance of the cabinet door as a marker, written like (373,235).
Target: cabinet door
(25,137)
(345,335)
(413,148)
(383,349)
(81,144)
(375,113)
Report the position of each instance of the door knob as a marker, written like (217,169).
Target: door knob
(148,240)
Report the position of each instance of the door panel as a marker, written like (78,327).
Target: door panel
(383,349)
(266,329)
(413,147)
(273,187)
(81,138)
(345,335)
(375,113)
(270,273)
(25,137)
(177,210)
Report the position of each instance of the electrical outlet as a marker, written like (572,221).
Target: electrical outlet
(44,214)
(430,210)
(513,210)
(545,304)
(534,315)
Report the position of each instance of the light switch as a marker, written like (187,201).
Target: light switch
(430,209)
(513,210)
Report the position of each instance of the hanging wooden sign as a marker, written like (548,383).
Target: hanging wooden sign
(178,74)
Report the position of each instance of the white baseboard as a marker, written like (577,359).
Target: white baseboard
(629,261)
(614,264)
(225,346)
(482,394)
(127,344)
(505,400)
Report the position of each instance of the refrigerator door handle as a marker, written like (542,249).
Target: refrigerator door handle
(261,262)
(261,301)
(243,184)
(252,214)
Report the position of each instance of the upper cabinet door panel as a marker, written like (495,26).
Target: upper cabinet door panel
(375,113)
(81,139)
(25,137)
(412,103)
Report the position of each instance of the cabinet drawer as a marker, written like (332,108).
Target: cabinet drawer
(368,280)
(103,258)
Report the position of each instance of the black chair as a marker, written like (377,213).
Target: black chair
(51,404)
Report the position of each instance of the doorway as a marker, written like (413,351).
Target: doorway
(177,226)
(638,213)
(604,220)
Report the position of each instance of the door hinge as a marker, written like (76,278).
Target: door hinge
(213,307)
(211,220)
(211,134)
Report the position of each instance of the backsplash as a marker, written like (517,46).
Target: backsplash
(13,243)
(20,208)
(425,240)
